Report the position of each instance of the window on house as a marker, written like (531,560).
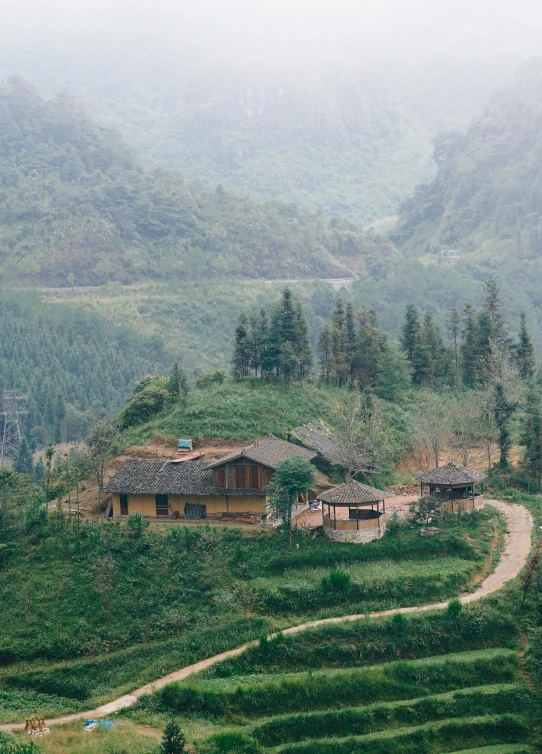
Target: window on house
(162,505)
(243,476)
(123,505)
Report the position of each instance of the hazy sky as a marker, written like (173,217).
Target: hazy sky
(293,28)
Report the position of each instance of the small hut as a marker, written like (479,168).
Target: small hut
(455,486)
(354,512)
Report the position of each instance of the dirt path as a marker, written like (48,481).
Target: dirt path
(517,545)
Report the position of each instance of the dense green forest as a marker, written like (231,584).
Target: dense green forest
(487,195)
(74,366)
(348,141)
(75,208)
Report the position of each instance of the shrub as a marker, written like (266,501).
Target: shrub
(395,681)
(363,720)
(364,642)
(428,739)
(209,379)
(228,743)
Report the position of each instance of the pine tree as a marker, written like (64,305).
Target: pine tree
(302,343)
(413,345)
(433,349)
(24,463)
(173,741)
(492,303)
(524,351)
(242,350)
(338,332)
(370,349)
(325,354)
(453,326)
(178,382)
(502,411)
(468,346)
(410,336)
(351,343)
(531,436)
(257,334)
(485,338)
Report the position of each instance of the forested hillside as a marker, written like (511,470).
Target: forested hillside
(74,366)
(75,208)
(487,196)
(346,140)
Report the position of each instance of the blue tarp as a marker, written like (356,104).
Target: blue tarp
(101,723)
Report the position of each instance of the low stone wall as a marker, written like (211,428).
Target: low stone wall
(360,536)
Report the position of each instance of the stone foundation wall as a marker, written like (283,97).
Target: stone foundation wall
(361,536)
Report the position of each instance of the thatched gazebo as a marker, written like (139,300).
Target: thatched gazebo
(455,486)
(354,512)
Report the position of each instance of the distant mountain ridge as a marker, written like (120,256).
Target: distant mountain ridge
(77,209)
(487,195)
(350,141)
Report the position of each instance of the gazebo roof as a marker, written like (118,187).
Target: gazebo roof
(352,493)
(450,475)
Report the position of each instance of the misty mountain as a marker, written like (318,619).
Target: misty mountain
(350,141)
(487,196)
(76,208)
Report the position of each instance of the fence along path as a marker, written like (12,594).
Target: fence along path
(517,545)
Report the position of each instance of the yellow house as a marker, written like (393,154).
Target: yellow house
(195,489)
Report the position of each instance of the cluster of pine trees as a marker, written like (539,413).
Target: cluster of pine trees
(74,366)
(355,353)
(478,339)
(275,346)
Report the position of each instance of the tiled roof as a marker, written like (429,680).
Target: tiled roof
(268,452)
(325,442)
(143,477)
(352,492)
(452,474)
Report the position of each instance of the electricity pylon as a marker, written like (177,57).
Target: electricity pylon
(13,412)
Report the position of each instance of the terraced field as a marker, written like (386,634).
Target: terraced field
(341,700)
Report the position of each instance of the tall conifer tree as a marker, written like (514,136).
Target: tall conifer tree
(325,352)
(338,331)
(468,346)
(531,436)
(242,350)
(524,351)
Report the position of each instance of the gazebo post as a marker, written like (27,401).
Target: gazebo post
(335,516)
(357,517)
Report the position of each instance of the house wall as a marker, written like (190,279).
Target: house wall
(215,505)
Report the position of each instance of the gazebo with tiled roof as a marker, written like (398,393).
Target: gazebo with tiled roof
(365,507)
(455,485)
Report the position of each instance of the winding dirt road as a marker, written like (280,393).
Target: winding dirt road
(517,545)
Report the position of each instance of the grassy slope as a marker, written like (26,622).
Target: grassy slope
(94,597)
(241,412)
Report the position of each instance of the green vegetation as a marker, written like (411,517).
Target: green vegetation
(359,721)
(484,198)
(349,140)
(364,642)
(101,623)
(428,739)
(247,410)
(77,209)
(255,696)
(74,366)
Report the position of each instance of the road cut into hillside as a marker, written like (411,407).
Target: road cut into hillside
(517,545)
